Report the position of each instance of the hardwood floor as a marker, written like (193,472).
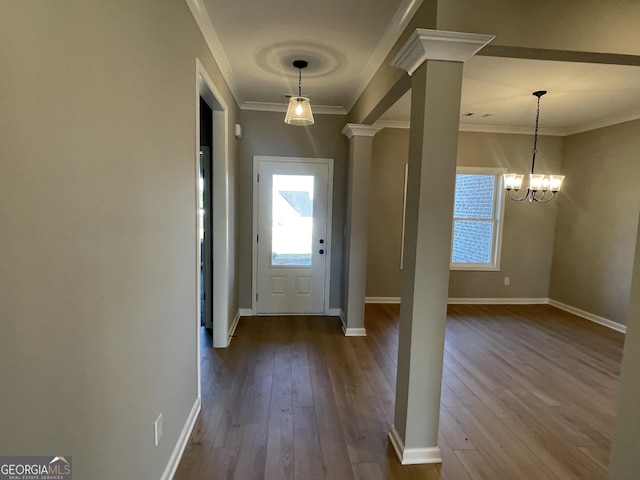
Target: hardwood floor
(528,392)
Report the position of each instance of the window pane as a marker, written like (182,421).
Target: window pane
(474,196)
(292,227)
(471,241)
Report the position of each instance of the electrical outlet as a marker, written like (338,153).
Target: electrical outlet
(159,429)
(507,281)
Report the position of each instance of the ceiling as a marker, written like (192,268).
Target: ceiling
(497,96)
(255,44)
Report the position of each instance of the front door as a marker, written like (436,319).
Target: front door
(292,236)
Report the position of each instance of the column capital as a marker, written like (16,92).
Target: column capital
(359,130)
(424,44)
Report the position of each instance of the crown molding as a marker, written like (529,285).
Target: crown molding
(401,19)
(550,132)
(604,122)
(425,44)
(405,124)
(281,107)
(210,36)
(351,130)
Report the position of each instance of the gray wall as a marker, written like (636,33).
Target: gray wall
(265,133)
(98,230)
(528,228)
(597,220)
(389,156)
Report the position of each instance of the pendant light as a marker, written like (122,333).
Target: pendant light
(299,110)
(541,188)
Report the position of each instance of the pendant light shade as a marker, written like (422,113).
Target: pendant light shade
(299,110)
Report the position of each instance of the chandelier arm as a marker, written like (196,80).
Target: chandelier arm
(544,195)
(515,197)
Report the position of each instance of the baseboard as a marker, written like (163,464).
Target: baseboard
(178,450)
(381,299)
(234,325)
(246,312)
(589,316)
(351,332)
(469,301)
(354,332)
(498,301)
(413,456)
(334,312)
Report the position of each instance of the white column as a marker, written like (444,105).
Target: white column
(358,179)
(435,61)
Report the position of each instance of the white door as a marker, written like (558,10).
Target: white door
(292,236)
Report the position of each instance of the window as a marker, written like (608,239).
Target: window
(477,219)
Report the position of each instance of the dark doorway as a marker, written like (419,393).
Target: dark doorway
(206,215)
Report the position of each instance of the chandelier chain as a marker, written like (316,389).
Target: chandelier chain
(535,136)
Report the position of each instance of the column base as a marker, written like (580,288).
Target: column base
(351,332)
(413,456)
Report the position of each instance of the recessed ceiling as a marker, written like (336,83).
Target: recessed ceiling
(497,92)
(255,44)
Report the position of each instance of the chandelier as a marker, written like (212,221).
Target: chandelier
(299,110)
(541,188)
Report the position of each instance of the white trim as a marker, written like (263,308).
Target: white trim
(221,244)
(351,332)
(354,332)
(382,300)
(246,312)
(181,444)
(404,124)
(497,301)
(334,312)
(203,20)
(282,107)
(351,130)
(234,325)
(467,127)
(603,122)
(426,44)
(398,24)
(551,132)
(618,327)
(413,456)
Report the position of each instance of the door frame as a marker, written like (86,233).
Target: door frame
(222,288)
(254,263)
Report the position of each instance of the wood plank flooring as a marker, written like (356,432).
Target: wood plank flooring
(528,392)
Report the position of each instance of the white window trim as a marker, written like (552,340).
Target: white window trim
(498,218)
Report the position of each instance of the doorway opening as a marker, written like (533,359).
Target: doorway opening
(213,224)
(205,206)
